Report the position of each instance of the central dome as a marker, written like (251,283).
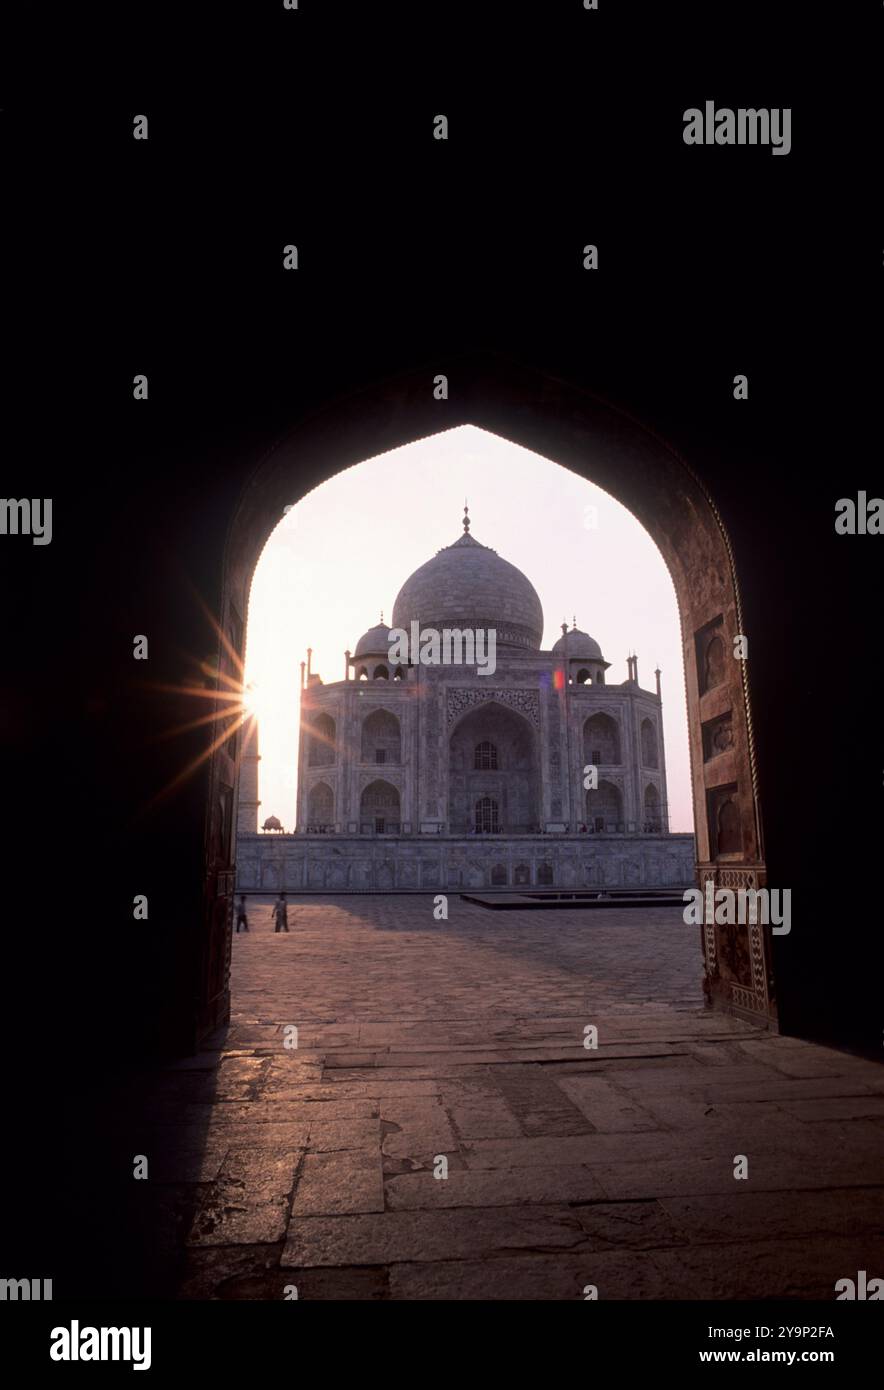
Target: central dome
(468,585)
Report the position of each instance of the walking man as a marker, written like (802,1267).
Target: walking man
(241,918)
(280,914)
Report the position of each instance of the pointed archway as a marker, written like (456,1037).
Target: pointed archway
(493,773)
(571,426)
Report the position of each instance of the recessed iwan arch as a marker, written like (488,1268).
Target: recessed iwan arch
(506,408)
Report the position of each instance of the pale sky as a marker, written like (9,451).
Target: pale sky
(339,558)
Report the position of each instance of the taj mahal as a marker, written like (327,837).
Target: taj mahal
(538,773)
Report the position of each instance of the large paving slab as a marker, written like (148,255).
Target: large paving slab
(440,1131)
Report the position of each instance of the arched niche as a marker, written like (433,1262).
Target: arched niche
(652,810)
(506,770)
(601,740)
(381,738)
(320,806)
(604,808)
(648,738)
(379,808)
(321,741)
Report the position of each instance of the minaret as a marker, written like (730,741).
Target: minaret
(247,806)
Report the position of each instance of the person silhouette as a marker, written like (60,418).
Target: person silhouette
(280,914)
(241,918)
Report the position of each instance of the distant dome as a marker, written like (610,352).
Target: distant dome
(374,642)
(468,585)
(578,646)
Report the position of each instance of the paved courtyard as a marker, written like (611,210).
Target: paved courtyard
(424,1046)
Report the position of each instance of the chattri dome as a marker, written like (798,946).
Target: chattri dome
(578,646)
(468,585)
(374,642)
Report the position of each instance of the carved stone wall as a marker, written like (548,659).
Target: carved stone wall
(353,863)
(736,955)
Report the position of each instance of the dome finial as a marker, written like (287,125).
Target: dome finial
(574,621)
(382,616)
(466,517)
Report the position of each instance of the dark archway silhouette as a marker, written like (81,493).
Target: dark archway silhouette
(570,426)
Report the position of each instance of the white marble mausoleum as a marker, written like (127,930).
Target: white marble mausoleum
(415,776)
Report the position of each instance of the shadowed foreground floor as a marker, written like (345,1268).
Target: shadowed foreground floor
(421,1041)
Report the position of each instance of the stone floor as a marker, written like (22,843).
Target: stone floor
(424,1043)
